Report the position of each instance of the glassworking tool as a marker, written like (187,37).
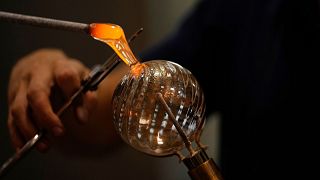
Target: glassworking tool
(90,83)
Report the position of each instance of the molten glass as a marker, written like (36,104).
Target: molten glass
(113,35)
(139,116)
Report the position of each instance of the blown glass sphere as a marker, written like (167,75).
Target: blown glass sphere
(141,119)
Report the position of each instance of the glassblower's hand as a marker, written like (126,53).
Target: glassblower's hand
(31,84)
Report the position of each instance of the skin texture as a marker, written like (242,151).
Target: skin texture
(39,84)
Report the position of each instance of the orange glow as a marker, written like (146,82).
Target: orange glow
(113,35)
(106,31)
(137,69)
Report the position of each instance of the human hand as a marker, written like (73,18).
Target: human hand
(34,79)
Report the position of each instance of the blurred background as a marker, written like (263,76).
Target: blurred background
(158,18)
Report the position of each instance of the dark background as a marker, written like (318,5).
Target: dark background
(158,18)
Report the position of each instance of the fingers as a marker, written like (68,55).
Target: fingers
(38,97)
(21,127)
(19,114)
(68,75)
(29,93)
(87,106)
(17,140)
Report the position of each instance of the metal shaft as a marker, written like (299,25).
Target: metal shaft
(44,22)
(92,82)
(201,167)
(176,124)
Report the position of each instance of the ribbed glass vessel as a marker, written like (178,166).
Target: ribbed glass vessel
(141,119)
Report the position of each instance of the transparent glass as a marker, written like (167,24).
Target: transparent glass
(141,119)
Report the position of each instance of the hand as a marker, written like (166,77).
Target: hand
(31,84)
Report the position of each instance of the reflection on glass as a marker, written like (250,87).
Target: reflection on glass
(141,119)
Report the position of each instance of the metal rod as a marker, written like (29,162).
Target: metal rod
(177,125)
(107,67)
(44,22)
(18,155)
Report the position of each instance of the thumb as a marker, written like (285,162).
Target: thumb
(84,110)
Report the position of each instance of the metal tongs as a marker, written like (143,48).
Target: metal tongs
(90,83)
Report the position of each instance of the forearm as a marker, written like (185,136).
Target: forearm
(99,128)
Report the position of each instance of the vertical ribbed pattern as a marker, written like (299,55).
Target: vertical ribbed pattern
(142,121)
